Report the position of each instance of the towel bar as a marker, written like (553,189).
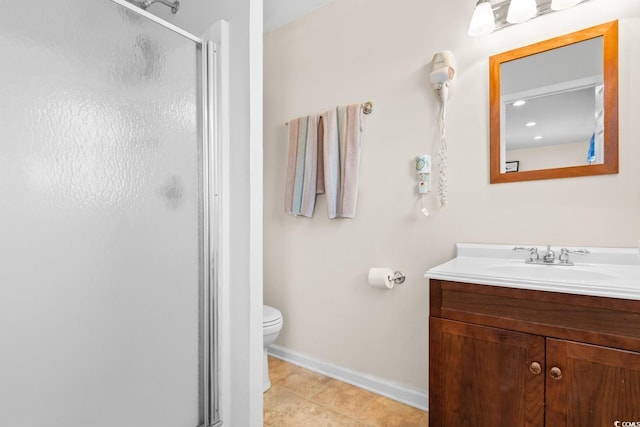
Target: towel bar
(367,108)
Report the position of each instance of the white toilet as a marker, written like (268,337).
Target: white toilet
(271,325)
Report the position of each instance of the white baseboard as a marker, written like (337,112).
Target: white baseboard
(412,397)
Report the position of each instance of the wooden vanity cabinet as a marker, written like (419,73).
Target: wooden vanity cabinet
(513,357)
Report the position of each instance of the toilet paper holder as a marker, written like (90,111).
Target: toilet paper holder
(397,278)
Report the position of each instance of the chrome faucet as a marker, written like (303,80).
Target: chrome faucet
(549,257)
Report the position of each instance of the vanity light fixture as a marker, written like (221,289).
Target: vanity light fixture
(505,13)
(521,11)
(482,21)
(529,124)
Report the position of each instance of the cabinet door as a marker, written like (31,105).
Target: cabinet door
(484,377)
(591,386)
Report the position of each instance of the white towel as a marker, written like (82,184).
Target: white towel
(331,155)
(342,145)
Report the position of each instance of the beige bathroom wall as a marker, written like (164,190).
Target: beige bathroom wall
(351,51)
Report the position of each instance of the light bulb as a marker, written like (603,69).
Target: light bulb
(482,21)
(563,4)
(521,11)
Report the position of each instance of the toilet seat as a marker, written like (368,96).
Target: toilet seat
(270,316)
(271,326)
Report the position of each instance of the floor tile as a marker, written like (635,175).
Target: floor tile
(385,412)
(281,404)
(304,382)
(279,369)
(344,398)
(302,398)
(318,416)
(284,408)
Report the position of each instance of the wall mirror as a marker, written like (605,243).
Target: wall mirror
(554,107)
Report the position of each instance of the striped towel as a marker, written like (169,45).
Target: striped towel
(342,145)
(302,166)
(324,157)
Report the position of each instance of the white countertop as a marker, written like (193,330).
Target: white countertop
(604,272)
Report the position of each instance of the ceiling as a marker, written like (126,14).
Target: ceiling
(280,12)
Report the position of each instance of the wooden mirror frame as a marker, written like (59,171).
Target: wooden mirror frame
(609,33)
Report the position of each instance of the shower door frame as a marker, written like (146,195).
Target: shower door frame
(213,47)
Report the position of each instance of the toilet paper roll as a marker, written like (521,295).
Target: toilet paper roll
(381,278)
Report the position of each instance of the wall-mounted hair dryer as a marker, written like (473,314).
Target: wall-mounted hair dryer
(443,74)
(442,77)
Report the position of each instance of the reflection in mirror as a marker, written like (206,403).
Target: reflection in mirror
(554,107)
(550,117)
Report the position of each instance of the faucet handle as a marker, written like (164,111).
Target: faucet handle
(564,254)
(533,252)
(578,251)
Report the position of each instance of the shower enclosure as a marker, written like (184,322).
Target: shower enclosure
(107,227)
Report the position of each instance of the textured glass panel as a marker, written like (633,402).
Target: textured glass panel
(99,224)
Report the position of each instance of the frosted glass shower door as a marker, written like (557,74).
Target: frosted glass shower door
(101,243)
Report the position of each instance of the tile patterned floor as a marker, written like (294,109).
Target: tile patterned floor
(302,398)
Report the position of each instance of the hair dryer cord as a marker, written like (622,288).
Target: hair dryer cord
(442,158)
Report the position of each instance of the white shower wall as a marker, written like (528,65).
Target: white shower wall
(241,341)
(100,219)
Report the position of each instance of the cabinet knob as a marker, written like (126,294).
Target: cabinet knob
(555,373)
(535,368)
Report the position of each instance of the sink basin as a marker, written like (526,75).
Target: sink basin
(549,272)
(604,272)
